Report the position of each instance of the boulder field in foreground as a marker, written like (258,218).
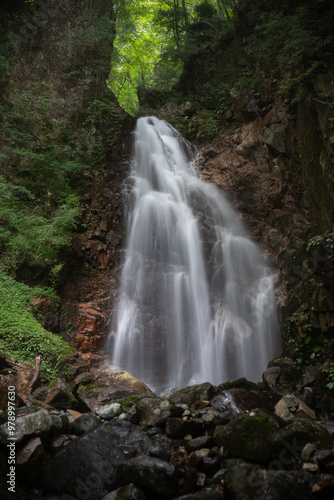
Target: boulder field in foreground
(237,440)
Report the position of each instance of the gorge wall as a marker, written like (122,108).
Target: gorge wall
(271,153)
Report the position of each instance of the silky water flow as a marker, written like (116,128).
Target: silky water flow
(197,296)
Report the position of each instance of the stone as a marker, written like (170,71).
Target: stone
(108,412)
(60,441)
(248,436)
(212,492)
(310,467)
(276,136)
(288,443)
(128,492)
(325,460)
(154,475)
(35,423)
(61,397)
(177,428)
(271,376)
(249,482)
(307,451)
(90,464)
(32,449)
(242,400)
(101,387)
(240,383)
(198,443)
(160,447)
(290,407)
(85,423)
(153,412)
(188,395)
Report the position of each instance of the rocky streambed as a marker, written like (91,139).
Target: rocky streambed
(106,435)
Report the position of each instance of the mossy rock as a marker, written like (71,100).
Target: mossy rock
(249,435)
(188,395)
(101,387)
(240,383)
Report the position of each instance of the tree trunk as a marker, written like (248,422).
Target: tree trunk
(185,13)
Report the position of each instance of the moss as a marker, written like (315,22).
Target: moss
(240,383)
(247,436)
(128,402)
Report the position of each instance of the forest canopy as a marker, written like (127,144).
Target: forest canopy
(152,40)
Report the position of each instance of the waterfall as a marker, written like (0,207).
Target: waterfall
(197,296)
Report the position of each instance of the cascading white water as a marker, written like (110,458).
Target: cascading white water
(197,296)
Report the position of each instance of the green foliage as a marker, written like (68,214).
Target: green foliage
(287,42)
(21,336)
(205,10)
(27,235)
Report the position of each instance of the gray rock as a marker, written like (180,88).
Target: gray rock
(154,475)
(249,482)
(271,376)
(248,436)
(108,412)
(88,465)
(288,443)
(32,424)
(177,428)
(85,423)
(153,412)
(276,136)
(102,387)
(188,395)
(160,446)
(241,400)
(128,492)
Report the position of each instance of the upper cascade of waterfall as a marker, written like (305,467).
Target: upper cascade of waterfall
(197,296)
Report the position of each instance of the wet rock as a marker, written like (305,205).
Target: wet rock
(276,136)
(88,462)
(241,400)
(160,447)
(325,460)
(178,428)
(288,443)
(35,422)
(153,412)
(213,492)
(154,475)
(240,383)
(248,436)
(291,407)
(271,376)
(307,451)
(188,395)
(103,386)
(30,459)
(128,492)
(60,441)
(108,412)
(249,482)
(198,443)
(85,423)
(60,397)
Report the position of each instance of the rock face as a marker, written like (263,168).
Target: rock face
(60,61)
(180,448)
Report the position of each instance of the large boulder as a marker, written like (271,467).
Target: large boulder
(101,387)
(29,422)
(88,466)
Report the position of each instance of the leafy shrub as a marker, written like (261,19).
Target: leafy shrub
(21,336)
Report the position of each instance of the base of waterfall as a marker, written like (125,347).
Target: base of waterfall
(199,442)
